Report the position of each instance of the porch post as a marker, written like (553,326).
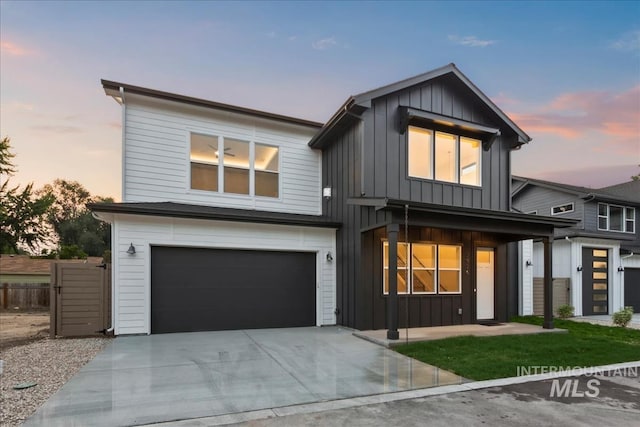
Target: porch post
(392,300)
(548,283)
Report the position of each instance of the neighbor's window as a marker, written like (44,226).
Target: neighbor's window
(234,166)
(443,156)
(616,218)
(431,269)
(562,209)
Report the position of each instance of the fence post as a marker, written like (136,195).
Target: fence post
(5,296)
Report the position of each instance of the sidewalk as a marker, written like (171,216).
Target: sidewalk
(463,404)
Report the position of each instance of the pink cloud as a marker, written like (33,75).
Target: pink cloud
(13,49)
(574,115)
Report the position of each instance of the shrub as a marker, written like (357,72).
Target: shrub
(565,311)
(71,252)
(623,317)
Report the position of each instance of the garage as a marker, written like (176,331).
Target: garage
(197,289)
(632,288)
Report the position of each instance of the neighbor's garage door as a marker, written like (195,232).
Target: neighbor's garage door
(632,288)
(213,289)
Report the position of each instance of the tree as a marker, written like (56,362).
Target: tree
(635,177)
(72,222)
(22,213)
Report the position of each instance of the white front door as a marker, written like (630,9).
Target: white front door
(484,284)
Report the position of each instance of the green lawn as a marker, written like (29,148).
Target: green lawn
(481,358)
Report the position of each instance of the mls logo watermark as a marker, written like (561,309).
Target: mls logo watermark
(570,387)
(575,381)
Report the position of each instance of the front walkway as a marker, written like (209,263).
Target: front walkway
(169,377)
(440,332)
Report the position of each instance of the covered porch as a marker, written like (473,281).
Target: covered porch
(409,335)
(418,224)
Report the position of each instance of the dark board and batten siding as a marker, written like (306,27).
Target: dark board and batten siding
(385,156)
(430,310)
(341,172)
(369,159)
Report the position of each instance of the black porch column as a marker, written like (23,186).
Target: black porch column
(392,300)
(548,283)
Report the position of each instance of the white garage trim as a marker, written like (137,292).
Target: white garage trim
(132,273)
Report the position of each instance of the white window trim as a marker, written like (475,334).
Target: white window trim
(432,172)
(459,270)
(573,206)
(220,164)
(623,221)
(434,269)
(437,269)
(533,212)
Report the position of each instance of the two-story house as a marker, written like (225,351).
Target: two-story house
(396,212)
(599,256)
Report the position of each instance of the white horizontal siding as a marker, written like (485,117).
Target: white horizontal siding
(526,248)
(156,164)
(132,273)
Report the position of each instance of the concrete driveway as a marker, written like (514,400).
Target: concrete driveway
(156,378)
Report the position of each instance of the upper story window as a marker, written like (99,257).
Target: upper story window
(562,209)
(444,156)
(234,166)
(616,218)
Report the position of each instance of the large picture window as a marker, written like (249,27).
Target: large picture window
(425,268)
(234,166)
(443,156)
(616,218)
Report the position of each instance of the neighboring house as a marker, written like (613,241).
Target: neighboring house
(24,281)
(599,257)
(235,218)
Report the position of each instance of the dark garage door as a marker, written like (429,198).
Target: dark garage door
(217,289)
(632,288)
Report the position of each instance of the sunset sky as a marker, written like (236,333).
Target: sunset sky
(568,73)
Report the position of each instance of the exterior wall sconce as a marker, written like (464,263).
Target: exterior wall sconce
(528,263)
(621,268)
(326,193)
(579,268)
(329,257)
(131,250)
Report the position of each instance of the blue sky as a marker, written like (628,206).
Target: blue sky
(567,72)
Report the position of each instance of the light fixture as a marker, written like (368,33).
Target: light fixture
(579,268)
(131,250)
(621,268)
(326,193)
(529,263)
(329,257)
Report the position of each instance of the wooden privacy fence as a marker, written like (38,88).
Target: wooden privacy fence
(80,299)
(25,296)
(560,294)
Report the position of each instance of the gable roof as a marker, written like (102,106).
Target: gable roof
(113,89)
(362,101)
(628,192)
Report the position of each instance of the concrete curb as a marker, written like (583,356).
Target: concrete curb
(391,397)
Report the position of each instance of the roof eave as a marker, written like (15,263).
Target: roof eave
(113,89)
(220,214)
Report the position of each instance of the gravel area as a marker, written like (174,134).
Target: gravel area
(50,363)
